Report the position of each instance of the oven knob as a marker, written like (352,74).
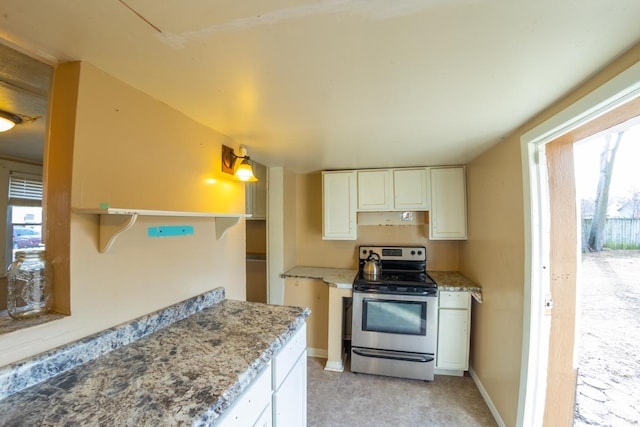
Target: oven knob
(419,252)
(413,252)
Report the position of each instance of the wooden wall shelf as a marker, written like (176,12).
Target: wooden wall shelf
(114,221)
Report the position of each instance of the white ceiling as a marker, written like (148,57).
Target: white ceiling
(334,84)
(24,91)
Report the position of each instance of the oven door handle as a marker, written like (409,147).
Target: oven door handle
(377,290)
(394,355)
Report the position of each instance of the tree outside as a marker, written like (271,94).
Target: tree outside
(608,186)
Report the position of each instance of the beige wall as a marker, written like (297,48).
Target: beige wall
(313,294)
(493,255)
(135,152)
(162,158)
(313,251)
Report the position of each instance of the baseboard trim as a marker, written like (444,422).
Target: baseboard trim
(450,372)
(317,352)
(330,365)
(487,399)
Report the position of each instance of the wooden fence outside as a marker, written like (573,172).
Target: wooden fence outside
(619,233)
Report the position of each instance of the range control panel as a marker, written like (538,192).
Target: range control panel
(395,253)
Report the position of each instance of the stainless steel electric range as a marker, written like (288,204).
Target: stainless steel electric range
(394,321)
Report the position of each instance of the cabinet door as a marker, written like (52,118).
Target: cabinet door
(290,400)
(288,356)
(453,339)
(251,404)
(448,215)
(411,189)
(339,205)
(265,419)
(375,190)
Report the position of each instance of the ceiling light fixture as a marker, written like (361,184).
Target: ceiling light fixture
(243,171)
(8,120)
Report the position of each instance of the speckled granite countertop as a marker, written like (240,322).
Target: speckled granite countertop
(336,277)
(455,281)
(343,278)
(188,372)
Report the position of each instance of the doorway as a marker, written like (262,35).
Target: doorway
(256,235)
(608,333)
(548,382)
(565,262)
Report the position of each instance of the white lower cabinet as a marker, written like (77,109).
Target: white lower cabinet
(251,404)
(278,396)
(290,382)
(290,399)
(265,419)
(454,327)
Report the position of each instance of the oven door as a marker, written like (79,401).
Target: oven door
(394,322)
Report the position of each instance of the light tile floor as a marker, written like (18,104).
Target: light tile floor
(347,399)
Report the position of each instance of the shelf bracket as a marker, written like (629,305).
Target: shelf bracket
(111,226)
(223,224)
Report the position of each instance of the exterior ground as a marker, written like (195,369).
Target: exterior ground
(608,391)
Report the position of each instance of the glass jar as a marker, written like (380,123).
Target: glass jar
(29,282)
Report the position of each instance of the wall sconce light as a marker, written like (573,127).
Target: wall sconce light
(243,171)
(8,120)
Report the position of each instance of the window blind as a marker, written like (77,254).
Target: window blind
(25,190)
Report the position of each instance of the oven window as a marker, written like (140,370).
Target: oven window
(396,317)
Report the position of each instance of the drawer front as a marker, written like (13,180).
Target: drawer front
(455,299)
(251,403)
(288,356)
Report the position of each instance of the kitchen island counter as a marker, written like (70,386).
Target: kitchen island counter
(187,372)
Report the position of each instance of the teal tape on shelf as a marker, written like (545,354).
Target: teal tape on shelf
(170,231)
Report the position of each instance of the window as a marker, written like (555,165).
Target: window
(24,214)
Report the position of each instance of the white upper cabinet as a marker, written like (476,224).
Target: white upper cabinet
(393,190)
(411,189)
(439,190)
(339,205)
(448,215)
(375,190)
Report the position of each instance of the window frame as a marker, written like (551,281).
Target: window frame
(24,190)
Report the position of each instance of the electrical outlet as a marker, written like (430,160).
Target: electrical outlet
(406,217)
